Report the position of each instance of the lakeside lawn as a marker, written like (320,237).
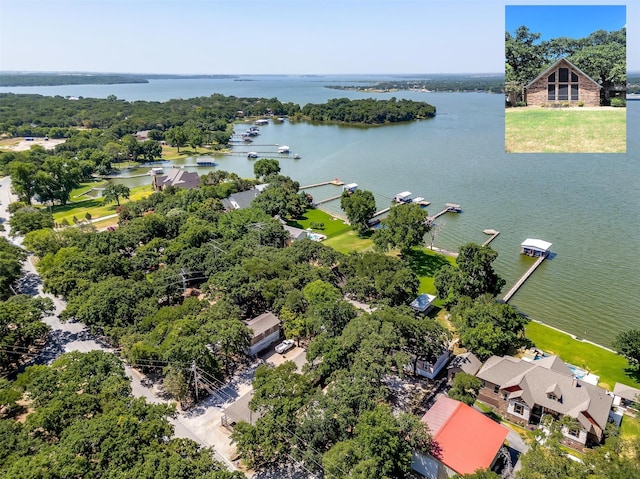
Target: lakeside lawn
(565,130)
(611,367)
(96,207)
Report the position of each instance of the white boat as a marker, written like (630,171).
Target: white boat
(156,171)
(252,154)
(284,149)
(296,157)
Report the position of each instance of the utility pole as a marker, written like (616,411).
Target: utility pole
(194,370)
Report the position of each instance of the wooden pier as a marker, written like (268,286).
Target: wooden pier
(326,200)
(449,208)
(335,182)
(524,277)
(494,234)
(381,212)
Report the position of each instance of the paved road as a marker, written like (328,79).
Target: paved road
(74,336)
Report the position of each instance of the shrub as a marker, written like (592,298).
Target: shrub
(317,225)
(580,103)
(618,102)
(521,103)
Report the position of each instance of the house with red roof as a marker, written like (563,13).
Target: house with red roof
(466,440)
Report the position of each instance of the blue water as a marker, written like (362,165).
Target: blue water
(587,205)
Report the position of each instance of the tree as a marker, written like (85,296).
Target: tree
(281,198)
(525,56)
(360,206)
(177,137)
(30,219)
(265,167)
(21,326)
(151,149)
(22,179)
(465,388)
(473,277)
(113,192)
(404,228)
(232,337)
(381,447)
(627,344)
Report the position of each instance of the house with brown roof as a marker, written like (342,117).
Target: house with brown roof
(176,177)
(466,440)
(563,82)
(525,391)
(266,331)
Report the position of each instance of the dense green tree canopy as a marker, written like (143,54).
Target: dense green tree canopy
(627,343)
(403,228)
(359,206)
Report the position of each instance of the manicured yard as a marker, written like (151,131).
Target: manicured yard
(332,226)
(558,130)
(611,367)
(630,427)
(94,206)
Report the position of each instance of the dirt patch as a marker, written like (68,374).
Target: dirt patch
(21,144)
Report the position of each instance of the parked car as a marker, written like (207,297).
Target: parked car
(285,346)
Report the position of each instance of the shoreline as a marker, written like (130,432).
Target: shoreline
(573,336)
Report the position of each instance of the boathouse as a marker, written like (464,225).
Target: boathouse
(562,83)
(535,247)
(351,187)
(403,197)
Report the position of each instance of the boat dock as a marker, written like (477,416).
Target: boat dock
(449,208)
(335,182)
(326,200)
(381,212)
(524,277)
(493,234)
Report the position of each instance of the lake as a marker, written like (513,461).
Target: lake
(585,204)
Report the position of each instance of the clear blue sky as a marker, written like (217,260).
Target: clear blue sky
(264,36)
(573,21)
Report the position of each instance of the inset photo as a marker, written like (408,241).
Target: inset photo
(565,79)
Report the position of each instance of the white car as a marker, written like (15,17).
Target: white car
(285,346)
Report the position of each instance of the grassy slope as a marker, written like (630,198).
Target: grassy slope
(611,367)
(96,207)
(549,130)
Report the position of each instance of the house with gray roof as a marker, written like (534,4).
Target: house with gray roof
(525,391)
(463,363)
(265,331)
(178,178)
(240,200)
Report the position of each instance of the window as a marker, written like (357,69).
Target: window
(496,389)
(505,396)
(518,409)
(552,396)
(563,75)
(552,78)
(551,92)
(563,91)
(574,431)
(574,92)
(574,78)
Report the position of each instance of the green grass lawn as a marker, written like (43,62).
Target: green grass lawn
(630,427)
(94,206)
(611,367)
(568,130)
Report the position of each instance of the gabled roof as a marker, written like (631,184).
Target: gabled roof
(585,402)
(468,439)
(555,65)
(263,323)
(467,362)
(180,178)
(537,244)
(626,392)
(240,200)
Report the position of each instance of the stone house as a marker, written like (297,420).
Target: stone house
(525,391)
(562,83)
